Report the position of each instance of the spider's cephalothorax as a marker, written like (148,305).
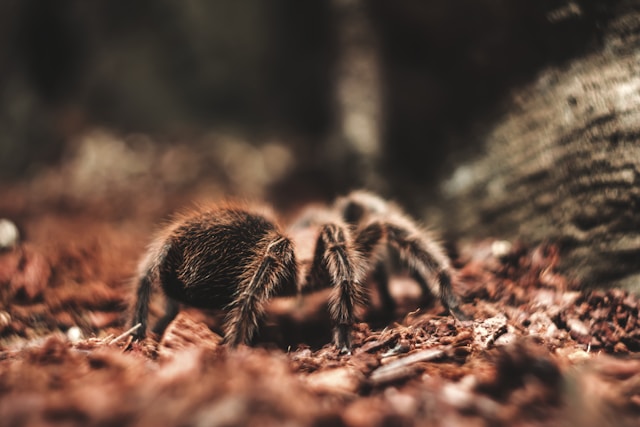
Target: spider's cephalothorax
(235,259)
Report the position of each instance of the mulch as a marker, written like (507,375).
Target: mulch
(539,350)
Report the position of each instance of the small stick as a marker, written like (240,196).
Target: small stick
(405,367)
(125,334)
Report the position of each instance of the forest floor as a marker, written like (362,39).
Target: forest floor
(539,351)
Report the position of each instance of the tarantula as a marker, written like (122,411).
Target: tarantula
(233,258)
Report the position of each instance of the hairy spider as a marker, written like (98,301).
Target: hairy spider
(235,259)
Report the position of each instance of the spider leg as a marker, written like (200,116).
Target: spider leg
(381,277)
(148,277)
(275,267)
(141,309)
(367,243)
(336,257)
(172,308)
(426,258)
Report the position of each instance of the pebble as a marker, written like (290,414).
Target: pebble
(5,319)
(342,380)
(9,234)
(74,334)
(501,248)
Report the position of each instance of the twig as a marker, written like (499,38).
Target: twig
(405,367)
(125,334)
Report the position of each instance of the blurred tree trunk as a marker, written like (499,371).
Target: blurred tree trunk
(354,145)
(564,164)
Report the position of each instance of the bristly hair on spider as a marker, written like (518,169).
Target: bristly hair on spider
(235,258)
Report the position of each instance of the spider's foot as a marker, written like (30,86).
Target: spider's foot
(343,338)
(344,351)
(138,331)
(459,314)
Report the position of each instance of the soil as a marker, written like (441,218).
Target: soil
(539,350)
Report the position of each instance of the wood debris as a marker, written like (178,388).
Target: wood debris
(538,350)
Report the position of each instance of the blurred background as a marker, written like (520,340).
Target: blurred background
(285,100)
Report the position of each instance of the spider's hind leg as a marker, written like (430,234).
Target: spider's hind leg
(448,298)
(426,259)
(427,295)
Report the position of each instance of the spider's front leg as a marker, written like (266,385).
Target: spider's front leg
(275,268)
(336,259)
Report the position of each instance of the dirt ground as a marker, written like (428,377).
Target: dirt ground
(539,351)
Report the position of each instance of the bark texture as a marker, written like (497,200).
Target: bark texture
(564,163)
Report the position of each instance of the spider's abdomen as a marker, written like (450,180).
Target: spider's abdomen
(210,254)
